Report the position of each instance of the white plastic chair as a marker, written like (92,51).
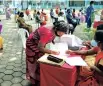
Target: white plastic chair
(22,33)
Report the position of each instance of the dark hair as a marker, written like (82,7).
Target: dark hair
(18,12)
(65,8)
(21,14)
(42,9)
(92,2)
(38,13)
(73,10)
(99,36)
(34,10)
(51,10)
(100,27)
(68,11)
(60,26)
(80,10)
(60,14)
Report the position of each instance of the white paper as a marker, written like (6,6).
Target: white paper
(97,18)
(71,40)
(59,47)
(76,61)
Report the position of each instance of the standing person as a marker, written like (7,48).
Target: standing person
(35,48)
(89,14)
(8,13)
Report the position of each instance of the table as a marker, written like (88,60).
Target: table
(96,23)
(57,76)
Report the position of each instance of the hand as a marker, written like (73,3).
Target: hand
(55,52)
(70,52)
(87,44)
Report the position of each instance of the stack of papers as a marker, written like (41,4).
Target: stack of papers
(59,47)
(71,40)
(76,61)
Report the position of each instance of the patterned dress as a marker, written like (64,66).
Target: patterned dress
(86,75)
(42,35)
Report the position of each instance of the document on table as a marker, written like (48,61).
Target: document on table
(59,47)
(76,61)
(71,40)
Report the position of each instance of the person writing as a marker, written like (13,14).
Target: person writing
(35,47)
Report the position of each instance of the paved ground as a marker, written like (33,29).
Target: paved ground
(12,67)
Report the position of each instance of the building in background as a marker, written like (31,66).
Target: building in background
(48,4)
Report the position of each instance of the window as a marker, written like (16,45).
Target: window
(77,3)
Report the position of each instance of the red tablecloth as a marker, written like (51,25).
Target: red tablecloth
(96,23)
(57,76)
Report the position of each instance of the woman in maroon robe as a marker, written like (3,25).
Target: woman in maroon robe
(35,48)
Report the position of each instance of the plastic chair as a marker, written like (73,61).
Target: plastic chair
(22,33)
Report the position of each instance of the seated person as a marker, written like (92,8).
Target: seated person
(101,16)
(61,16)
(71,20)
(22,24)
(93,43)
(95,71)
